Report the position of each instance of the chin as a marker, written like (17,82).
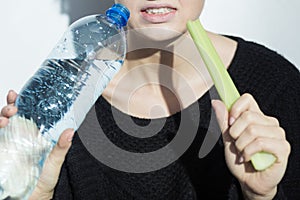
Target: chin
(156,34)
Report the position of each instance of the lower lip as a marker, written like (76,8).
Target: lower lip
(158,18)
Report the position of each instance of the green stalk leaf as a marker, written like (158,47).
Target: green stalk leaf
(223,82)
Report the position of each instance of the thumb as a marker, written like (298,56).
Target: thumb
(222,118)
(51,170)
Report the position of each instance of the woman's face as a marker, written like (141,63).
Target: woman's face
(161,19)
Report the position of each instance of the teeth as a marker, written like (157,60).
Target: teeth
(158,10)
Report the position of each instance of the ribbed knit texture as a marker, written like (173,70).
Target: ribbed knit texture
(271,79)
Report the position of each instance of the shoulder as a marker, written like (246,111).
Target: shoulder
(263,72)
(260,57)
(255,58)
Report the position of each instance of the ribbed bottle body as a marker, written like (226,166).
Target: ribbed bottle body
(58,96)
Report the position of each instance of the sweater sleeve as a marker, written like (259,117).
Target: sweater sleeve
(287,111)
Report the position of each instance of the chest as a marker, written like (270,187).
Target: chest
(153,100)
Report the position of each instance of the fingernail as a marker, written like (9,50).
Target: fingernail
(241,159)
(231,120)
(10,91)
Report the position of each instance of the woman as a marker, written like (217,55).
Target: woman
(162,77)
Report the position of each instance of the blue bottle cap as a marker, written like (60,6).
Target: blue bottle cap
(119,13)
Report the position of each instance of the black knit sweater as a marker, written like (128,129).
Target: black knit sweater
(272,80)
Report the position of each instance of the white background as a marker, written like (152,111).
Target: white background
(31,28)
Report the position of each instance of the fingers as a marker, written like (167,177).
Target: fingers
(8,110)
(248,122)
(250,130)
(221,114)
(244,103)
(11,97)
(3,122)
(267,145)
(53,163)
(222,118)
(254,132)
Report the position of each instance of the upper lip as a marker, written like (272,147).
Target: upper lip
(157,6)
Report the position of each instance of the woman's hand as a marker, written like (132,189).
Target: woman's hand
(246,131)
(49,176)
(8,110)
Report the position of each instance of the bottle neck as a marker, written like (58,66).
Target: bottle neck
(117,19)
(119,14)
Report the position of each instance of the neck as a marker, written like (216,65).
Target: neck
(172,75)
(179,54)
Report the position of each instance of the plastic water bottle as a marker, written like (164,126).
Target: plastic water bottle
(59,95)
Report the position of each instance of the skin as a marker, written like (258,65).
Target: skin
(51,170)
(246,129)
(185,10)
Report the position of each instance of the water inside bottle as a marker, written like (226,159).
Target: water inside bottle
(56,97)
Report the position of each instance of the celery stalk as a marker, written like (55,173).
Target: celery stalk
(223,82)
